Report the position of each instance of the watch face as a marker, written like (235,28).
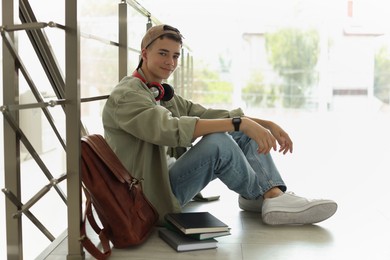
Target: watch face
(236,120)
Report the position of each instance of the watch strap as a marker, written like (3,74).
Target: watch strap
(236,122)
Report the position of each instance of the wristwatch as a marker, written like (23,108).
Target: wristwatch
(236,122)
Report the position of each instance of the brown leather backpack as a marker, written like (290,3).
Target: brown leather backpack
(127,216)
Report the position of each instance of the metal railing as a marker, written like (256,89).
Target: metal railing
(67,90)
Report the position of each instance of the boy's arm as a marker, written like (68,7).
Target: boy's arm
(265,140)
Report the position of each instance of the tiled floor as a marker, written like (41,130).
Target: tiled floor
(359,230)
(339,157)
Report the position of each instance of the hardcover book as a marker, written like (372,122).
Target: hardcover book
(196,222)
(181,242)
(204,236)
(199,236)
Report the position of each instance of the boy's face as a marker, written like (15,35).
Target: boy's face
(160,59)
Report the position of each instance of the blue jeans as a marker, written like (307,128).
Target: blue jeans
(231,157)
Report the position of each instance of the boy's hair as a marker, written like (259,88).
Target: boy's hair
(159,32)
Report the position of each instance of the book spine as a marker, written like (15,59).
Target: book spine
(175,224)
(168,240)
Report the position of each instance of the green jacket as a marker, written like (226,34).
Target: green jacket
(139,131)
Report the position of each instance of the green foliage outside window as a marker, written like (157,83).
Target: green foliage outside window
(293,54)
(382,75)
(257,93)
(209,88)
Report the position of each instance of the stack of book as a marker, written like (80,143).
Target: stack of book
(193,230)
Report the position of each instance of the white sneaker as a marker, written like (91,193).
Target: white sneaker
(289,208)
(250,205)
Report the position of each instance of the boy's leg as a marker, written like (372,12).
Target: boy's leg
(263,165)
(219,156)
(242,169)
(287,208)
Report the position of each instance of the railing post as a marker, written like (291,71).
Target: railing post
(123,41)
(11,141)
(73,137)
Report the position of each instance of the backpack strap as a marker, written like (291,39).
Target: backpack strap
(85,241)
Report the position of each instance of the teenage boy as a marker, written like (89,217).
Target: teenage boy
(147,126)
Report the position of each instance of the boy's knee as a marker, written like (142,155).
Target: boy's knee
(220,142)
(218,138)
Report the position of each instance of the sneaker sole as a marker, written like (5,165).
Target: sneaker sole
(311,215)
(248,205)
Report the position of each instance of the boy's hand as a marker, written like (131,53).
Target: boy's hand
(263,137)
(286,144)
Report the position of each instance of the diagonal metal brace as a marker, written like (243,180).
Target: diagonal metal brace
(39,195)
(8,42)
(28,214)
(31,150)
